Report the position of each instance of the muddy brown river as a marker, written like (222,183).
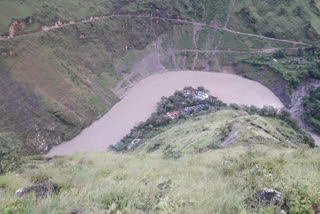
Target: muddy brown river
(140,102)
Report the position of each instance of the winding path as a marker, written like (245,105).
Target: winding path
(267,50)
(94,18)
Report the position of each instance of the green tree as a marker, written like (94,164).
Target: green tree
(312,109)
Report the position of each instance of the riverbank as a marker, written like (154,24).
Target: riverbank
(140,103)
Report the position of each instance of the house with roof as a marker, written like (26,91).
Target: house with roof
(189,91)
(212,97)
(189,110)
(201,95)
(298,59)
(118,146)
(134,143)
(173,114)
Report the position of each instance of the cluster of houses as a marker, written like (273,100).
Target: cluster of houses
(185,111)
(118,146)
(296,60)
(134,142)
(195,94)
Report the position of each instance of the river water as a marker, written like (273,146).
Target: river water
(140,102)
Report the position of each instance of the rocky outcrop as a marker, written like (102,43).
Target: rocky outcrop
(2,190)
(77,211)
(297,107)
(41,190)
(267,197)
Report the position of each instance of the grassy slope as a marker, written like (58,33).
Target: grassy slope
(209,131)
(212,182)
(285,19)
(47,13)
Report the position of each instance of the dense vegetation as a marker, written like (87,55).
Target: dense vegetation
(292,66)
(312,109)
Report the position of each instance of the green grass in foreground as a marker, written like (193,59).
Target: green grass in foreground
(212,182)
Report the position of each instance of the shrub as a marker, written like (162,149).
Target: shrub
(171,153)
(312,109)
(302,199)
(21,205)
(39,177)
(114,201)
(10,151)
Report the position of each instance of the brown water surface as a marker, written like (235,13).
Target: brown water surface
(141,100)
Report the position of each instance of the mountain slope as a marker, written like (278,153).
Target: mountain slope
(74,65)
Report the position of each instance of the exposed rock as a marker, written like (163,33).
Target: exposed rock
(76,211)
(297,107)
(41,190)
(279,89)
(316,208)
(267,197)
(31,167)
(2,190)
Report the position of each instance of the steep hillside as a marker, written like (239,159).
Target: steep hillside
(280,19)
(63,68)
(55,84)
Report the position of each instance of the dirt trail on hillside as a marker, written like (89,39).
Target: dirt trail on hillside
(267,50)
(140,103)
(59,24)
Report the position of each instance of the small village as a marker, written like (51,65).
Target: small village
(199,95)
(195,94)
